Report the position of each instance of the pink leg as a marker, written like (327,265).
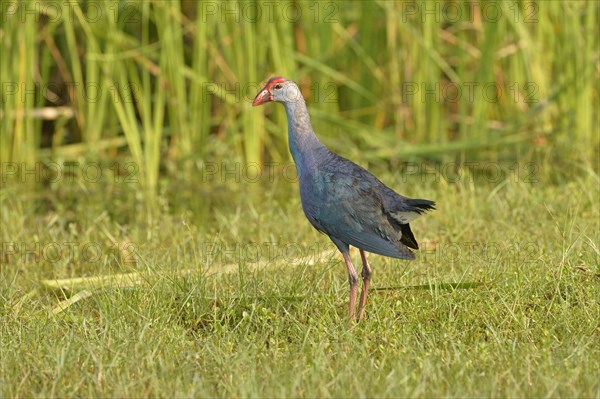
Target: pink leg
(366,275)
(353,280)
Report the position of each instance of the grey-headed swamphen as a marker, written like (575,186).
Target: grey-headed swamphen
(342,199)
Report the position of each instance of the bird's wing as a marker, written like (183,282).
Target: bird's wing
(350,208)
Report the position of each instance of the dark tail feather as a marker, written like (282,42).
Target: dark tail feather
(420,205)
(408,238)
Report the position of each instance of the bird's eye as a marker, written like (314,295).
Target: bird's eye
(277,87)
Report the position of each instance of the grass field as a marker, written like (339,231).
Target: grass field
(250,301)
(152,239)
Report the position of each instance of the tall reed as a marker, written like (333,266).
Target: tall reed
(385,79)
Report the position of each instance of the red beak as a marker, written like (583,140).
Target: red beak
(261,98)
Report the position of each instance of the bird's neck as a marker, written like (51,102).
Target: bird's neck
(302,139)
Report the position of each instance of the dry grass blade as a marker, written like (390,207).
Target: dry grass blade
(67,303)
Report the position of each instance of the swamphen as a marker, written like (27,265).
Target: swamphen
(342,199)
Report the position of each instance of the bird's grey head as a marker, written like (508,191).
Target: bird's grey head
(278,89)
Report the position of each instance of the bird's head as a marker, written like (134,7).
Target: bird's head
(278,89)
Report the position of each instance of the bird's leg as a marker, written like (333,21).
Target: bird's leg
(353,280)
(366,275)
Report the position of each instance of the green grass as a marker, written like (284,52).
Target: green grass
(501,301)
(172,81)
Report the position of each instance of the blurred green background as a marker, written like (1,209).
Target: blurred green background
(168,84)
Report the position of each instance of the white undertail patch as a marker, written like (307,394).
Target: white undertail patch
(405,217)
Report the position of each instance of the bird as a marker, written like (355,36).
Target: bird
(342,199)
